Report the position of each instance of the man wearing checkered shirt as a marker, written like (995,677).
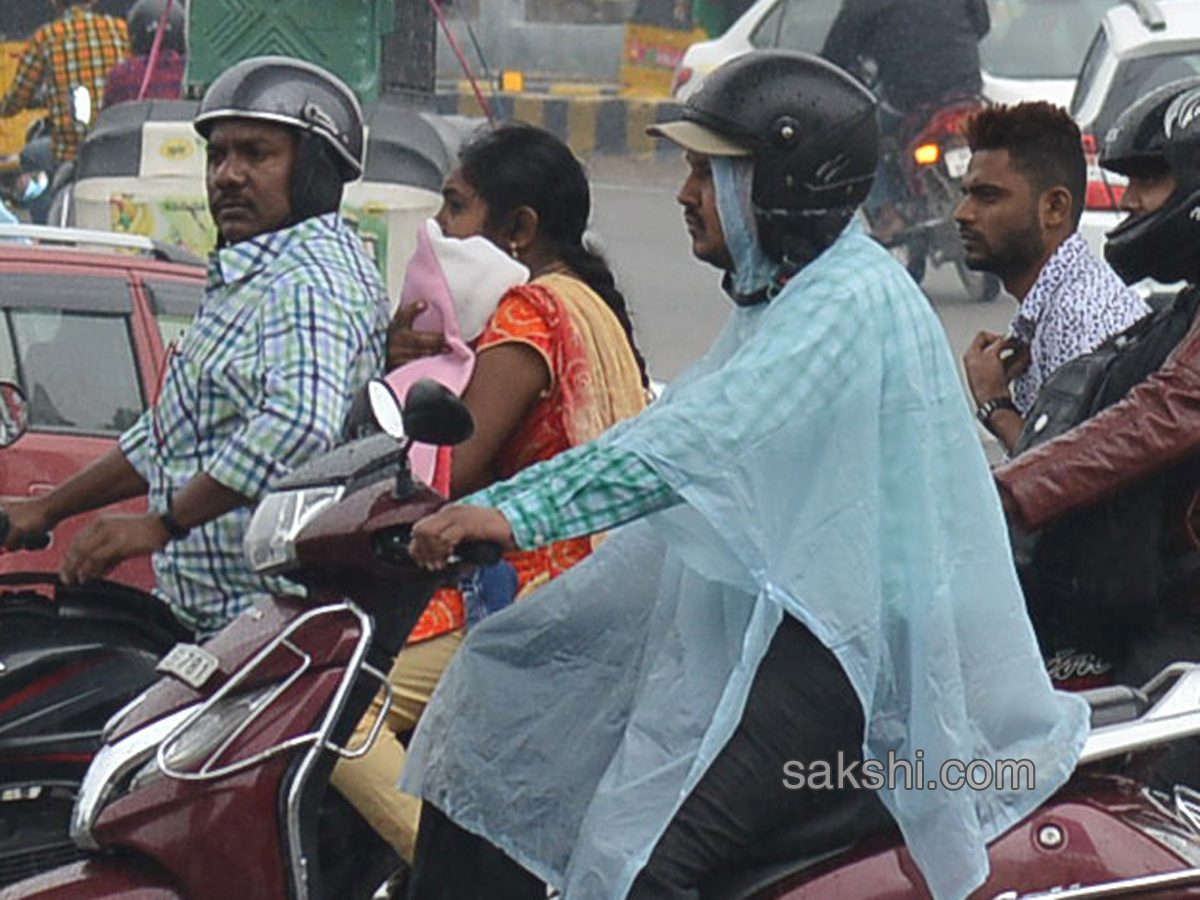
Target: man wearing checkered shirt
(75,50)
(293,323)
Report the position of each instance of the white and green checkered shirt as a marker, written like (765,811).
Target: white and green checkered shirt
(292,324)
(584,490)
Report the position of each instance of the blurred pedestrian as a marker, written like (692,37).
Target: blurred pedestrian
(155,70)
(922,50)
(70,57)
(918,56)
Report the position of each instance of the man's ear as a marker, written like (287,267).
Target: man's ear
(1056,208)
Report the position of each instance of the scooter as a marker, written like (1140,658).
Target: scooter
(214,783)
(69,659)
(928,155)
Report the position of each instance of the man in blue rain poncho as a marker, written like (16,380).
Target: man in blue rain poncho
(819,568)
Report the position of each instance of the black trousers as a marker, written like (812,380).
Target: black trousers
(801,708)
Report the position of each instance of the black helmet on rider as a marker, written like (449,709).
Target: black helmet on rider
(144,19)
(811,130)
(1159,134)
(319,106)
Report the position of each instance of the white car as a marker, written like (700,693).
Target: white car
(1136,49)
(1032,52)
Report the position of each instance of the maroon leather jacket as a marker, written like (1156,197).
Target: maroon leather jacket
(1156,427)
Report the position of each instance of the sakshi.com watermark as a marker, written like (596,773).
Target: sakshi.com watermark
(897,774)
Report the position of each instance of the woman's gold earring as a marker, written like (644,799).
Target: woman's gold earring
(512,250)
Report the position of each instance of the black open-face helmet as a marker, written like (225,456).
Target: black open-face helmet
(144,18)
(810,127)
(1160,132)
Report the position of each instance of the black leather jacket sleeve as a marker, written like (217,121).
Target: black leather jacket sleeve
(1155,427)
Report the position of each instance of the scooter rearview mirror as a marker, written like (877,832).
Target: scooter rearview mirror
(14,413)
(434,415)
(385,406)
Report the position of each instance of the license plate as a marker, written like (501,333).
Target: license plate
(957,159)
(190,664)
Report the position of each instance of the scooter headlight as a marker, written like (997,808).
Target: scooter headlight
(203,740)
(271,538)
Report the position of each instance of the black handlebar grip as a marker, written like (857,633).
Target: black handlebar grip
(37,542)
(479,553)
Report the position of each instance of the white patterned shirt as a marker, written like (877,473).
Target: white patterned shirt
(1076,302)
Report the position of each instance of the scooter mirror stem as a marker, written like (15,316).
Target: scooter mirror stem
(404,480)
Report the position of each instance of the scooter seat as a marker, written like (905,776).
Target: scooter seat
(822,836)
(748,883)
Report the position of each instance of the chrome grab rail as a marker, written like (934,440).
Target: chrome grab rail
(208,769)
(1126,887)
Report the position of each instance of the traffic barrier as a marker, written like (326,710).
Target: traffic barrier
(590,120)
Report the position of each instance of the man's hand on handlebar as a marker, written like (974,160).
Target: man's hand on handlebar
(109,541)
(27,523)
(435,537)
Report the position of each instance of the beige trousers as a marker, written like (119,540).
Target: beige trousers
(369,782)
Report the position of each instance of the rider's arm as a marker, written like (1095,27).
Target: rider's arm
(309,356)
(109,479)
(28,78)
(1155,426)
(508,380)
(582,491)
(203,499)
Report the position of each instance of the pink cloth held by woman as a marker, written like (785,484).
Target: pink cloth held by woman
(461,281)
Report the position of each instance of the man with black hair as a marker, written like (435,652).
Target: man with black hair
(149,73)
(294,321)
(1024,194)
(68,56)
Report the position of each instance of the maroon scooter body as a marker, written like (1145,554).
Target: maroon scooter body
(1091,832)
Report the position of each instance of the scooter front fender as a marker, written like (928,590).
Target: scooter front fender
(96,879)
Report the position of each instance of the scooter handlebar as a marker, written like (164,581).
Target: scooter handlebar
(36,542)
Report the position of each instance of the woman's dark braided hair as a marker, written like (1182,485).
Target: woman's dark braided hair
(517,165)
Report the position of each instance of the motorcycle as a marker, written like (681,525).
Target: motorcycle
(69,659)
(927,156)
(214,782)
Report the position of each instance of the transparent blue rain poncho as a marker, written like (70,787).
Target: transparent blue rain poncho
(828,469)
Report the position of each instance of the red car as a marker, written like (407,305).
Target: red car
(85,322)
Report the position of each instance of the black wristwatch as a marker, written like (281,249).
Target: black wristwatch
(171,525)
(988,408)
